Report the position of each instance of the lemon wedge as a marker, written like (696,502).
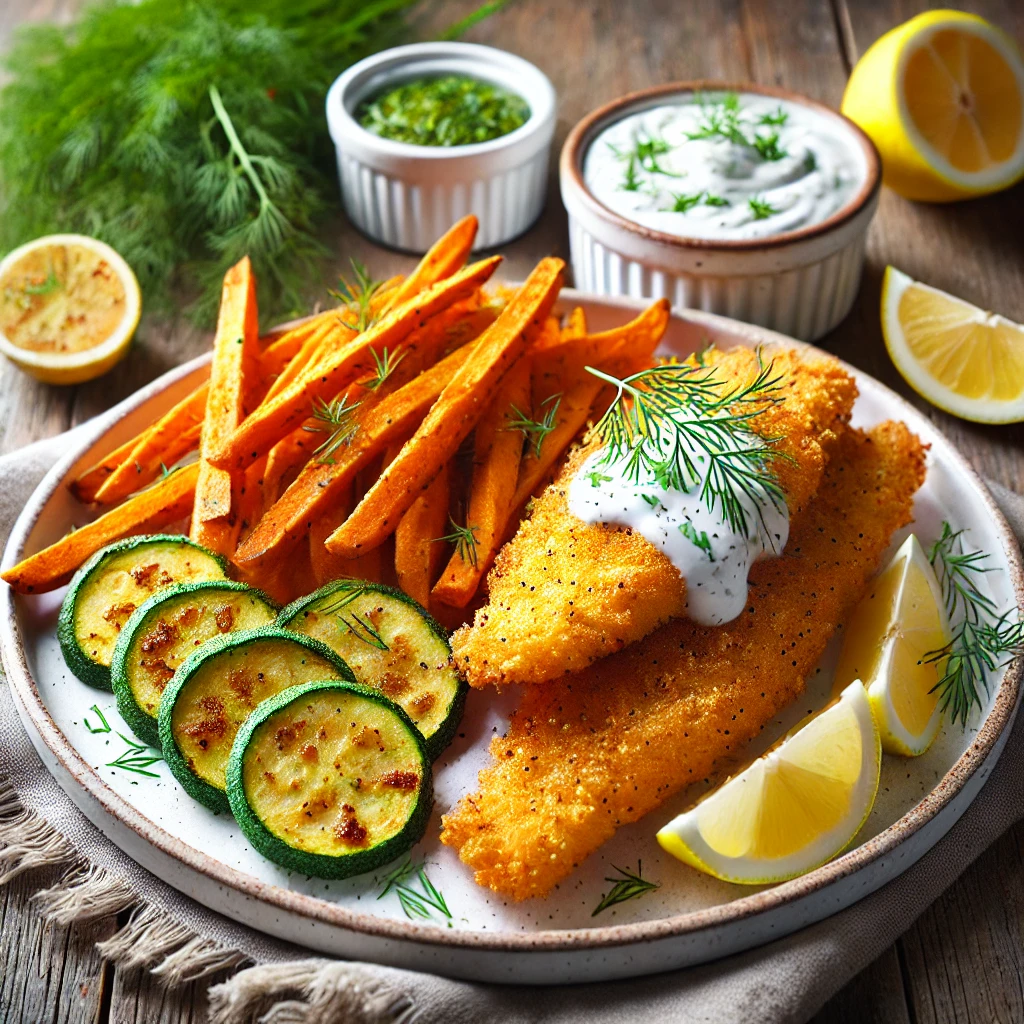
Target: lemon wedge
(961,358)
(794,808)
(69,306)
(941,97)
(899,621)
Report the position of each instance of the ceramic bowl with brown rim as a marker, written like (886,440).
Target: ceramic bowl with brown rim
(751,258)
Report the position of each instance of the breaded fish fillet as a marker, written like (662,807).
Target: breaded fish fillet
(563,593)
(602,748)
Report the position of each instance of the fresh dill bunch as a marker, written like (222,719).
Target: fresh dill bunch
(185,133)
(985,639)
(684,427)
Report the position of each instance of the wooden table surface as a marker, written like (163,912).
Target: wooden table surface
(962,961)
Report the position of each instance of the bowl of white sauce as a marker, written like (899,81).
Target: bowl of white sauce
(738,199)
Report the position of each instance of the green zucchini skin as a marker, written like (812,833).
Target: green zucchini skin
(140,721)
(91,672)
(305,862)
(436,741)
(198,788)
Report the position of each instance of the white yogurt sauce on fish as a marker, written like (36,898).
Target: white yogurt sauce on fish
(763,166)
(713,558)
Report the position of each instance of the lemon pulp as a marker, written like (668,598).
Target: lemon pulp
(792,809)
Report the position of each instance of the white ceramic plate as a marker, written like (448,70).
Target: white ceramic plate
(690,919)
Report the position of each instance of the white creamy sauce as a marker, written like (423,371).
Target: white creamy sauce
(712,557)
(773,167)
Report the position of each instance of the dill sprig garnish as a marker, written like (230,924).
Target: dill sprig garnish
(415,903)
(643,156)
(724,120)
(136,759)
(683,202)
(336,419)
(536,431)
(760,208)
(464,539)
(628,887)
(358,626)
(385,364)
(104,725)
(985,639)
(357,295)
(684,427)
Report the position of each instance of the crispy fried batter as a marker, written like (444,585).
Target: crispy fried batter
(587,754)
(564,593)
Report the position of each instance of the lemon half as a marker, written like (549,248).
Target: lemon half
(69,306)
(897,623)
(793,809)
(942,97)
(963,359)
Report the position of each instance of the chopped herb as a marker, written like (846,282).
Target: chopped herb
(652,499)
(464,539)
(597,478)
(760,208)
(452,110)
(104,725)
(723,120)
(164,471)
(767,146)
(779,117)
(642,157)
(681,202)
(415,903)
(537,430)
(136,759)
(628,887)
(713,200)
(689,531)
(51,284)
(985,639)
(630,183)
(338,423)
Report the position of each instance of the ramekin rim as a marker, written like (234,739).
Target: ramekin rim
(570,170)
(342,124)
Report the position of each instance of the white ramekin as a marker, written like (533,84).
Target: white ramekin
(406,196)
(800,283)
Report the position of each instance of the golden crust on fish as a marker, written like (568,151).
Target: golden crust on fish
(586,754)
(563,593)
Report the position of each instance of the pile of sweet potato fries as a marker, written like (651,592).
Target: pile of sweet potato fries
(370,441)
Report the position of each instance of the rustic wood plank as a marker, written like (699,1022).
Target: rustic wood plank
(875,996)
(47,974)
(138,998)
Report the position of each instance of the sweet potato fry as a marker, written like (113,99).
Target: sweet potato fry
(86,486)
(417,553)
(560,376)
(498,447)
(234,359)
(441,260)
(174,435)
(319,484)
(166,501)
(453,416)
(261,431)
(575,325)
(251,497)
(327,567)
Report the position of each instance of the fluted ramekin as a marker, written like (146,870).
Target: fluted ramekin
(800,283)
(406,196)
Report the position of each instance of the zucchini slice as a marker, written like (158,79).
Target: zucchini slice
(218,687)
(393,645)
(330,780)
(168,628)
(112,584)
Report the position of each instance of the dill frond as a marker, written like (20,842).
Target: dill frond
(464,539)
(336,420)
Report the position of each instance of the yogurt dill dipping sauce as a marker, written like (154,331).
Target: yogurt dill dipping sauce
(712,557)
(725,166)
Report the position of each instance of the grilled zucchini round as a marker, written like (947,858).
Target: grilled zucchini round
(330,780)
(218,687)
(392,645)
(112,584)
(165,631)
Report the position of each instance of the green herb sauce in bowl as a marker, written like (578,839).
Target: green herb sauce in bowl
(451,110)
